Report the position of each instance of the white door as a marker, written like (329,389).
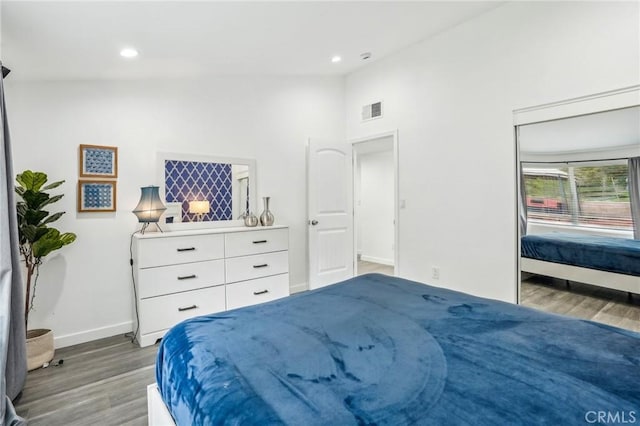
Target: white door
(330,208)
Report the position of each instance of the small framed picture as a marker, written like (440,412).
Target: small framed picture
(173,214)
(96,196)
(98,161)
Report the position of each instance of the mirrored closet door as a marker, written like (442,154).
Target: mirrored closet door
(579,208)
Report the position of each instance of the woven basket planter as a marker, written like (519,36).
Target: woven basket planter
(39,348)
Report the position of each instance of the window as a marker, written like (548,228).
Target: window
(590,195)
(548,194)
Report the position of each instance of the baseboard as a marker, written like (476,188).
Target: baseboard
(297,288)
(380,260)
(89,335)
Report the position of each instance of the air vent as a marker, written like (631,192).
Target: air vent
(372,111)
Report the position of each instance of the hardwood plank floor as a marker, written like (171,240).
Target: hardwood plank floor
(370,267)
(100,383)
(580,300)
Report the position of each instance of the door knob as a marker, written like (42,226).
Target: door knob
(314,222)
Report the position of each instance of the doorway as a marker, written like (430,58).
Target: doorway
(375,205)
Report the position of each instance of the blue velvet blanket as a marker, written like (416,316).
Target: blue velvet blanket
(382,350)
(621,255)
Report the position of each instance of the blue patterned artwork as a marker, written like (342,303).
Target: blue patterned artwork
(98,161)
(97,196)
(192,180)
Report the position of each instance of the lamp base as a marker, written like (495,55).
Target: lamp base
(146,225)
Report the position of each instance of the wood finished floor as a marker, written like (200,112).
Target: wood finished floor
(370,267)
(584,301)
(100,383)
(104,382)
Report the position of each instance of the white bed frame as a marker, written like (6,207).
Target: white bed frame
(158,412)
(606,279)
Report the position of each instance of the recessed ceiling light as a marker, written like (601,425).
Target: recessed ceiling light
(336,59)
(128,52)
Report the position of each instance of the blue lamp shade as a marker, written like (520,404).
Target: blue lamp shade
(150,207)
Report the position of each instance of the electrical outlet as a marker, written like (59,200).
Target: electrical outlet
(435,273)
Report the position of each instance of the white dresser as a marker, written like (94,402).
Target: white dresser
(182,274)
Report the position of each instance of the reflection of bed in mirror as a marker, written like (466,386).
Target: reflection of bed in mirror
(602,261)
(227,184)
(577,193)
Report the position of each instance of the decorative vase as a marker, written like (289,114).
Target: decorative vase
(250,220)
(266,218)
(39,348)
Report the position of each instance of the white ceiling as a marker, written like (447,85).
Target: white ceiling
(55,40)
(593,132)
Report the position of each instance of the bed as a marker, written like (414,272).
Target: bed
(382,350)
(603,261)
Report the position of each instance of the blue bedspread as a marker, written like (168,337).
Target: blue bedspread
(620,255)
(382,350)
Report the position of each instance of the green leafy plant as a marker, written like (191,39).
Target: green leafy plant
(37,239)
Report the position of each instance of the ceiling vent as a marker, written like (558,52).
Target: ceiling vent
(372,111)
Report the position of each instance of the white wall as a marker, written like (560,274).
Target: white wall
(451,98)
(84,291)
(375,207)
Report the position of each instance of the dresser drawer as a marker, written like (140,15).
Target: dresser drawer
(254,242)
(173,279)
(162,312)
(245,293)
(174,250)
(257,266)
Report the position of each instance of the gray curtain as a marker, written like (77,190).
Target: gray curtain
(522,200)
(13,360)
(634,194)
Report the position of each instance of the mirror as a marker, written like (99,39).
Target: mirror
(578,253)
(205,191)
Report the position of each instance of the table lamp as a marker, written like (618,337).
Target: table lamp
(149,208)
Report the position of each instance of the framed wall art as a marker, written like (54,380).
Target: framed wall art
(96,196)
(98,161)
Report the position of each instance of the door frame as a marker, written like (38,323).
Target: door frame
(396,198)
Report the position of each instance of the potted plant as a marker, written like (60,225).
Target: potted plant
(37,240)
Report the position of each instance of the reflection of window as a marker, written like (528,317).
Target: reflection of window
(548,194)
(580,195)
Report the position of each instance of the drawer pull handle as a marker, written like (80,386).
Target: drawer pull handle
(186,249)
(188,308)
(187,277)
(260,242)
(264,265)
(260,292)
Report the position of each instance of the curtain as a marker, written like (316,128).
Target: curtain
(634,194)
(13,360)
(522,200)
